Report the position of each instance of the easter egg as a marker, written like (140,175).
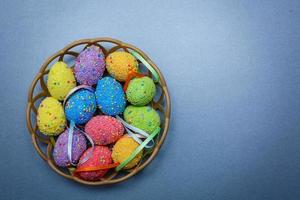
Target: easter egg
(119,64)
(123,149)
(110,96)
(140,91)
(60,152)
(80,106)
(51,119)
(89,66)
(145,118)
(98,156)
(60,80)
(104,129)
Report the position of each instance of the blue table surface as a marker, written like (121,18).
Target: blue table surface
(232,68)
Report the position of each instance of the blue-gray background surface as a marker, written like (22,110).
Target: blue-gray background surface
(233,71)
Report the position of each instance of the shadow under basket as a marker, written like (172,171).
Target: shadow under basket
(38,91)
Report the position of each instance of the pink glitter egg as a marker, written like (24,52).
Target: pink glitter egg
(89,66)
(104,129)
(101,156)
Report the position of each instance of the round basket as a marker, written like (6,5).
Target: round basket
(38,91)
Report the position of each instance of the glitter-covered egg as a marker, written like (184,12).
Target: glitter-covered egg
(144,117)
(140,91)
(119,64)
(60,152)
(104,129)
(51,119)
(89,65)
(110,96)
(98,156)
(60,80)
(123,149)
(81,106)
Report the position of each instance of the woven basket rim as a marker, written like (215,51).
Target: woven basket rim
(31,108)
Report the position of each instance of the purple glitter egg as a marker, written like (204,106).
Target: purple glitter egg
(60,152)
(89,66)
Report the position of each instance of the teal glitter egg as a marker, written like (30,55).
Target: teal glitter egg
(110,96)
(81,106)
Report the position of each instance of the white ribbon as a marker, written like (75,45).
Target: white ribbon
(70,143)
(136,133)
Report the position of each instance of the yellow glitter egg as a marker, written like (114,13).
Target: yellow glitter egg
(60,80)
(123,149)
(119,64)
(51,117)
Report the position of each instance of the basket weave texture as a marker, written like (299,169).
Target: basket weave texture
(38,91)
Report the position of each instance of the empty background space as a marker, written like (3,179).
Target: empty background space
(233,72)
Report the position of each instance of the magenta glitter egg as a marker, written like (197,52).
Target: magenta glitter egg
(101,155)
(60,152)
(89,66)
(104,129)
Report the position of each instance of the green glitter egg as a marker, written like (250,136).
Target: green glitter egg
(144,117)
(140,91)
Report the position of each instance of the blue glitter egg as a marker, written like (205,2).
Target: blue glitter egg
(81,106)
(110,96)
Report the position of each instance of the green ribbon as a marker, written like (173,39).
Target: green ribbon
(138,149)
(143,60)
(52,140)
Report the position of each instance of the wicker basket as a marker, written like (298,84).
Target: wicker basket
(38,91)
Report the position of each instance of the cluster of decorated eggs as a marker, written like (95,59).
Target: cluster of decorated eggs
(92,100)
